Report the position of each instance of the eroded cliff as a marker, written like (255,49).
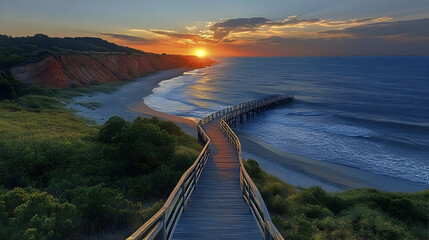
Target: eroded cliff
(70,70)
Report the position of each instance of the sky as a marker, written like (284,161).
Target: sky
(233,27)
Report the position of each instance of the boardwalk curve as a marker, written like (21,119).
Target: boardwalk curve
(214,208)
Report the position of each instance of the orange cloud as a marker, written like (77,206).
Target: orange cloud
(262,36)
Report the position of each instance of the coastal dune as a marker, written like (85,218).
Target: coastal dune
(72,70)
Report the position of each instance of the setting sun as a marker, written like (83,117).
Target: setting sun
(200,53)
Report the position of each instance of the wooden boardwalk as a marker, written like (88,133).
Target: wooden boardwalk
(216,208)
(216,198)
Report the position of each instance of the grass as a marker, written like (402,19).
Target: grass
(41,102)
(90,105)
(55,123)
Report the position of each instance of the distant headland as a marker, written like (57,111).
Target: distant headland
(82,61)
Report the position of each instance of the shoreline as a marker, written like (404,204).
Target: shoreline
(127,102)
(338,177)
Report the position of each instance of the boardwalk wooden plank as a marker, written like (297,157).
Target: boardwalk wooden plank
(216,209)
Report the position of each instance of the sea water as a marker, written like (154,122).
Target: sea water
(370,113)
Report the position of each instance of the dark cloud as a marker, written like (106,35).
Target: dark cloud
(128,38)
(291,21)
(373,39)
(394,30)
(224,28)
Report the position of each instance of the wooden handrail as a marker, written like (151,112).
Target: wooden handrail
(249,190)
(163,223)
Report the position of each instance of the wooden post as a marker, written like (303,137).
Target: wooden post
(162,233)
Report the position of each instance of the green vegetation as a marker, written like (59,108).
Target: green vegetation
(31,49)
(312,213)
(61,178)
(90,105)
(10,88)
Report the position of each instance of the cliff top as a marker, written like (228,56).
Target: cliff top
(22,50)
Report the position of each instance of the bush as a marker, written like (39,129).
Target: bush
(110,131)
(146,214)
(254,170)
(140,145)
(10,88)
(315,211)
(101,206)
(6,90)
(303,229)
(36,215)
(403,209)
(279,205)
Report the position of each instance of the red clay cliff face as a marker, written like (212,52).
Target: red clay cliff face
(69,70)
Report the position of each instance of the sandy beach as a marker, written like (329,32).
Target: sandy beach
(303,171)
(127,102)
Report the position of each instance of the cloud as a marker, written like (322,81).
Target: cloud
(225,27)
(389,38)
(294,36)
(353,22)
(175,34)
(411,29)
(191,29)
(129,38)
(185,38)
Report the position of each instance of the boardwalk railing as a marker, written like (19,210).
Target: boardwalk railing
(248,188)
(243,108)
(162,224)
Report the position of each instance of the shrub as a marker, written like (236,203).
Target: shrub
(315,211)
(303,229)
(110,131)
(254,170)
(36,215)
(403,209)
(101,206)
(281,225)
(146,214)
(279,205)
(10,88)
(6,90)
(143,147)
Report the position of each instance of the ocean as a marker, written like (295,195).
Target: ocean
(370,113)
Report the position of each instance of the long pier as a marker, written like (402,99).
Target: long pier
(216,198)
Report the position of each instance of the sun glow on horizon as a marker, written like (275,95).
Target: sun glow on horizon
(200,53)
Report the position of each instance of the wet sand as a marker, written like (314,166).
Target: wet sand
(314,172)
